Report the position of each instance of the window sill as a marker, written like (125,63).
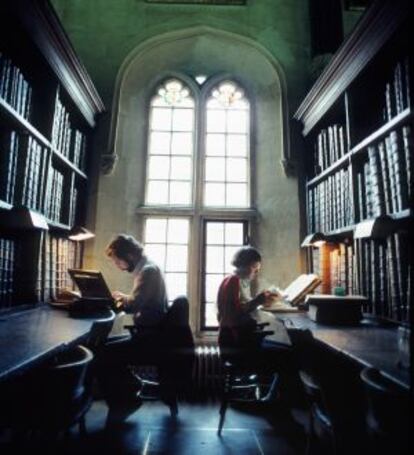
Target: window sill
(165,210)
(205,212)
(206,336)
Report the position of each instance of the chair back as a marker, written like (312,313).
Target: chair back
(65,378)
(178,343)
(178,313)
(388,405)
(100,331)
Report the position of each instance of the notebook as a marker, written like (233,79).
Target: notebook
(91,284)
(295,293)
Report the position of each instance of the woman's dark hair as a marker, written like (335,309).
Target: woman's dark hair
(124,247)
(245,256)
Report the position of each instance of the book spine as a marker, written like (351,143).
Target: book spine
(395,310)
(400,175)
(408,152)
(377,191)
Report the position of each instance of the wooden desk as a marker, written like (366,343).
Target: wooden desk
(30,337)
(367,344)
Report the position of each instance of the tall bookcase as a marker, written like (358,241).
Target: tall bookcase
(358,127)
(48,108)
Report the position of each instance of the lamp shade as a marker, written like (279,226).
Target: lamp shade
(313,239)
(80,234)
(23,218)
(376,228)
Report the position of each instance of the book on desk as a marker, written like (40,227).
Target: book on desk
(95,295)
(294,294)
(335,309)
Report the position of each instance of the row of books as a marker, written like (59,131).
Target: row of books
(9,150)
(79,150)
(342,268)
(385,275)
(329,204)
(330,146)
(54,196)
(14,88)
(58,255)
(34,174)
(73,206)
(377,269)
(41,186)
(384,182)
(7,267)
(69,141)
(397,90)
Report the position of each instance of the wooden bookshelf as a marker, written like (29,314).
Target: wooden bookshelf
(48,111)
(366,93)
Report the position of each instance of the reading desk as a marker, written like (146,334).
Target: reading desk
(32,336)
(368,343)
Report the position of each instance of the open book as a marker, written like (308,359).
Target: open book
(295,293)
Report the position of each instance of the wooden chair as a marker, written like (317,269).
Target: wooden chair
(389,416)
(173,361)
(100,330)
(54,397)
(321,431)
(243,371)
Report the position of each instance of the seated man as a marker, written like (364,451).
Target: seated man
(148,303)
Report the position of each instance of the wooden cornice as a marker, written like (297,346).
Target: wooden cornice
(44,27)
(370,34)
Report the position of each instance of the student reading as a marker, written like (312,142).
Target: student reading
(237,337)
(235,302)
(148,303)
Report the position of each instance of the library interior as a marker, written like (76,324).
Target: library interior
(206,214)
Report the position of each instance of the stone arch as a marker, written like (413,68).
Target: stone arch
(194,50)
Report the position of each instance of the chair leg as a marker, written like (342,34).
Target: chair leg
(273,389)
(174,407)
(224,401)
(82,426)
(310,435)
(223,409)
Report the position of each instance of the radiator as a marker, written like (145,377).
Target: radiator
(206,379)
(207,370)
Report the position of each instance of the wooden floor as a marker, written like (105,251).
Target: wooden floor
(151,430)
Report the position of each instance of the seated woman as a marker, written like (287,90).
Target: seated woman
(235,303)
(239,340)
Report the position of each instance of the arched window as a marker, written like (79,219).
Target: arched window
(227,147)
(170,151)
(197,185)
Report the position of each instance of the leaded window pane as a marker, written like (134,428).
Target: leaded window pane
(181,168)
(215,145)
(215,169)
(169,180)
(166,243)
(214,194)
(227,139)
(157,192)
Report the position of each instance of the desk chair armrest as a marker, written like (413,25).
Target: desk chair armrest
(263,333)
(132,328)
(262,325)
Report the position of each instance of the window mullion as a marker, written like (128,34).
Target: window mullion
(225,158)
(199,154)
(170,156)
